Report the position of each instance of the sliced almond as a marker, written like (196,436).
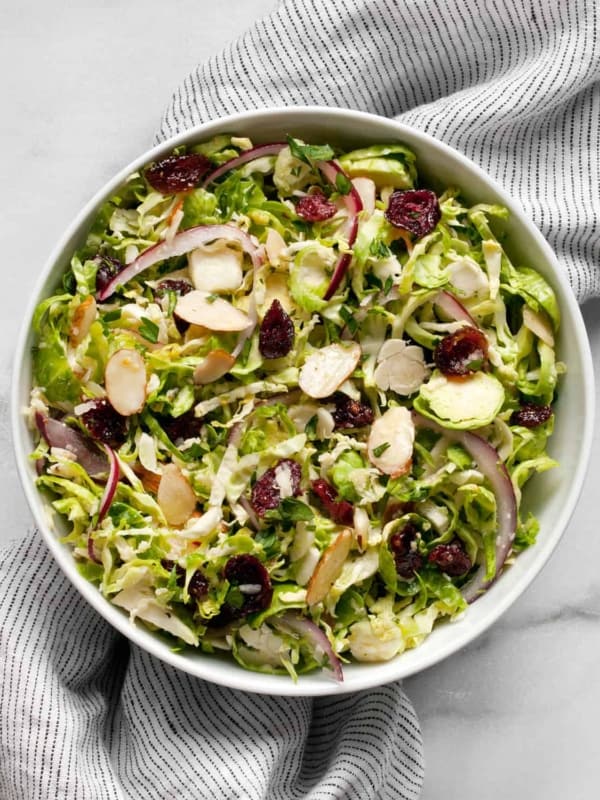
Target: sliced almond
(150,480)
(216,364)
(391,440)
(125,381)
(401,367)
(366,190)
(329,567)
(325,370)
(276,288)
(84,315)
(175,496)
(538,324)
(274,246)
(216,267)
(202,308)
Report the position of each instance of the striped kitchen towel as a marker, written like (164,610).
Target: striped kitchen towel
(86,716)
(513,84)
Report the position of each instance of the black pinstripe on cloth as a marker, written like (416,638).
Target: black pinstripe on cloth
(514,85)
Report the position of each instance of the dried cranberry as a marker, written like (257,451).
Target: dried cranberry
(179,286)
(451,559)
(340,511)
(414,210)
(169,565)
(177,173)
(276,336)
(408,564)
(462,352)
(408,560)
(315,207)
(254,582)
(198,585)
(351,413)
(107,269)
(400,541)
(104,423)
(266,492)
(187,426)
(530,415)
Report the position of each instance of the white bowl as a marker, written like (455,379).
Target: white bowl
(551,496)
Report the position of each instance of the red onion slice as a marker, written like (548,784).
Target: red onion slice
(490,464)
(450,305)
(261,150)
(58,434)
(92,551)
(111,483)
(341,267)
(106,499)
(181,244)
(317,638)
(353,203)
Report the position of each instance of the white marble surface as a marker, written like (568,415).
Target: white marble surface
(84,85)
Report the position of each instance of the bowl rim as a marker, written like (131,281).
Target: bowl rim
(215,670)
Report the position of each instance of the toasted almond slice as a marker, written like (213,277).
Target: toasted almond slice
(329,567)
(325,370)
(150,480)
(201,308)
(391,347)
(276,288)
(216,364)
(274,246)
(84,315)
(401,367)
(391,440)
(538,324)
(125,381)
(175,496)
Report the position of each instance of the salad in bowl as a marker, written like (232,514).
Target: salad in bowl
(287,400)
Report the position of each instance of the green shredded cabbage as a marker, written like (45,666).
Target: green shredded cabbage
(237,493)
